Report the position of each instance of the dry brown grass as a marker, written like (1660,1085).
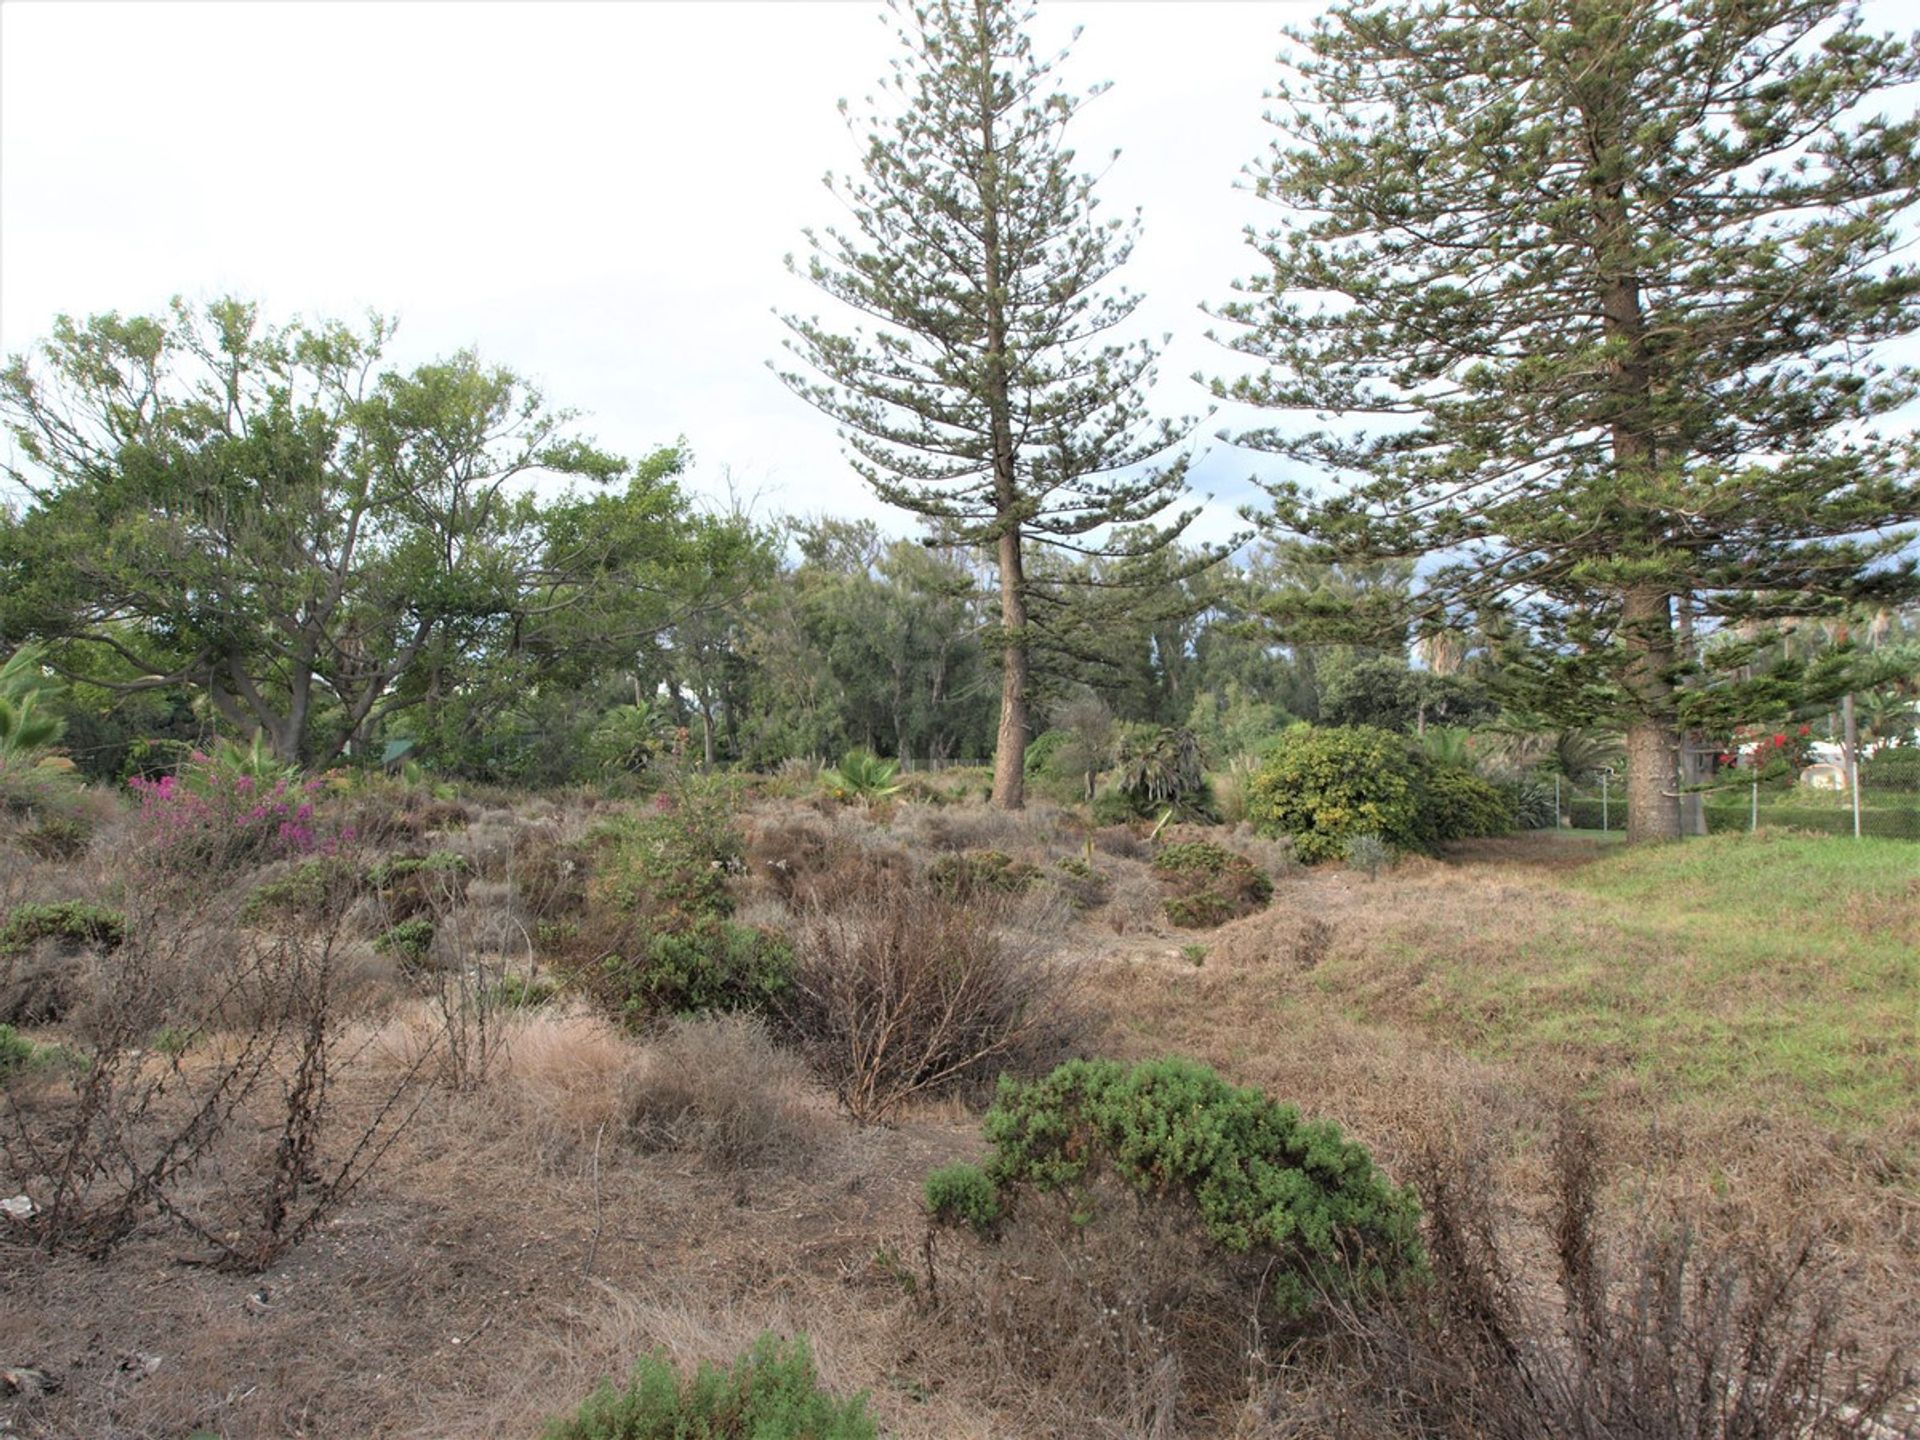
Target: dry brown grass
(719,1087)
(512,1249)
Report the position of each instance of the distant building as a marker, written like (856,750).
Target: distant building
(1824,776)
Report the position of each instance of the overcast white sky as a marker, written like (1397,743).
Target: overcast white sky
(597,195)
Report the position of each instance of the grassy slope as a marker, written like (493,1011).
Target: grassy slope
(1735,971)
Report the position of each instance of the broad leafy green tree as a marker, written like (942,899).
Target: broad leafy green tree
(987,397)
(310,541)
(1597,279)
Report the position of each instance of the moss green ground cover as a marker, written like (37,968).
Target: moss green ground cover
(1746,972)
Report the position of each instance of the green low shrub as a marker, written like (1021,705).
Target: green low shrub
(1111,807)
(1462,806)
(16,1052)
(961,1194)
(713,965)
(57,837)
(1042,750)
(1324,786)
(972,873)
(1260,1178)
(670,863)
(1084,886)
(409,941)
(410,885)
(312,888)
(771,1393)
(658,937)
(75,922)
(1211,884)
(514,991)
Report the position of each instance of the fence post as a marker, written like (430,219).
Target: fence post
(1557,810)
(1606,820)
(1853,758)
(1753,816)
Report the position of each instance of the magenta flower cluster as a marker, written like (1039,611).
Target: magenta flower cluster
(208,811)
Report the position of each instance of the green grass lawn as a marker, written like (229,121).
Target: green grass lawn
(1750,972)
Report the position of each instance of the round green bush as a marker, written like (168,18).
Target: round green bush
(1210,883)
(1111,807)
(1324,786)
(1462,806)
(970,874)
(1260,1178)
(74,922)
(771,1393)
(1042,750)
(961,1194)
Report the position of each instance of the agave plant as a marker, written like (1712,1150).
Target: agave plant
(630,737)
(24,731)
(1449,745)
(1580,755)
(863,776)
(1161,767)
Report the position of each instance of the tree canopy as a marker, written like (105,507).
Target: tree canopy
(308,540)
(1599,284)
(988,398)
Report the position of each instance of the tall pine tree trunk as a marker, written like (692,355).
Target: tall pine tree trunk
(1646,625)
(1010,753)
(1646,607)
(1010,750)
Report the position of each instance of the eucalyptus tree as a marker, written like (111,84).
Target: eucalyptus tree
(308,539)
(988,397)
(1597,286)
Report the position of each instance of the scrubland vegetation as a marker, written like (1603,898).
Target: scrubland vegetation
(427,1111)
(489,947)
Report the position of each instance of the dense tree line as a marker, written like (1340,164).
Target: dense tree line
(1597,286)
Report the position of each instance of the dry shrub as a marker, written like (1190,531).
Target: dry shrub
(978,827)
(1128,1324)
(1280,937)
(800,858)
(487,844)
(205,1092)
(1655,1332)
(1272,854)
(719,1086)
(1123,841)
(900,992)
(1135,908)
(559,1087)
(549,868)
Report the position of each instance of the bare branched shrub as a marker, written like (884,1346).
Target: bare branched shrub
(718,1085)
(1654,1333)
(899,992)
(201,1092)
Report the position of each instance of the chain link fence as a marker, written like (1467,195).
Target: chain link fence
(1888,800)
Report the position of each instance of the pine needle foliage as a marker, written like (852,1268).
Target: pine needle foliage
(1261,1178)
(986,398)
(1600,283)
